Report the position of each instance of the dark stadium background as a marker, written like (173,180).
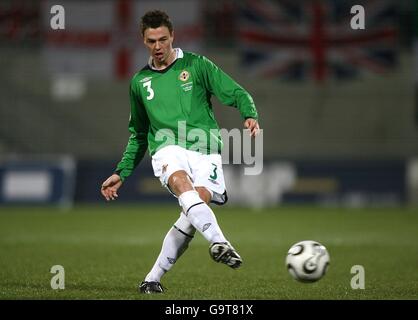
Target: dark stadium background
(339,116)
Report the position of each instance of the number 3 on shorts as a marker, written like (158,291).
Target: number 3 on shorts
(149,90)
(214,175)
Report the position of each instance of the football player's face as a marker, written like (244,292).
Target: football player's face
(159,42)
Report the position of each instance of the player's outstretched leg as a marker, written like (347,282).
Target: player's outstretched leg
(204,220)
(175,243)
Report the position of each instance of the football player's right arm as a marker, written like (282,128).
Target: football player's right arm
(110,187)
(135,149)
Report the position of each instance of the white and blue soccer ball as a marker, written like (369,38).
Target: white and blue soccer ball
(307,261)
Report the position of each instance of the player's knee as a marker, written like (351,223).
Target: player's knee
(190,199)
(204,194)
(179,182)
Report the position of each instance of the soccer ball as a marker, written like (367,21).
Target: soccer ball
(307,261)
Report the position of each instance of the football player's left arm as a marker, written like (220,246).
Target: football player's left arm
(230,93)
(252,125)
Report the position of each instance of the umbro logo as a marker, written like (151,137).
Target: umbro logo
(145,79)
(206,227)
(171,260)
(213,181)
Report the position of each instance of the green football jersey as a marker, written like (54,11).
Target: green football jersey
(173,107)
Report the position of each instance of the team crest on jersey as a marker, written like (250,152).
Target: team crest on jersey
(184,75)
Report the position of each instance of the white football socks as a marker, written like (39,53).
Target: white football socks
(201,216)
(198,216)
(175,243)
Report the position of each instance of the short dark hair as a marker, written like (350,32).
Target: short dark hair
(154,19)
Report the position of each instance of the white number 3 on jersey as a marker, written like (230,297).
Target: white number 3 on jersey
(149,90)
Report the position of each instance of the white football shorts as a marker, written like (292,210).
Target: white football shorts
(205,170)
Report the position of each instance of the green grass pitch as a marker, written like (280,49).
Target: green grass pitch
(106,250)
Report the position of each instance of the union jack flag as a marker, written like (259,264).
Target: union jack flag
(300,39)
